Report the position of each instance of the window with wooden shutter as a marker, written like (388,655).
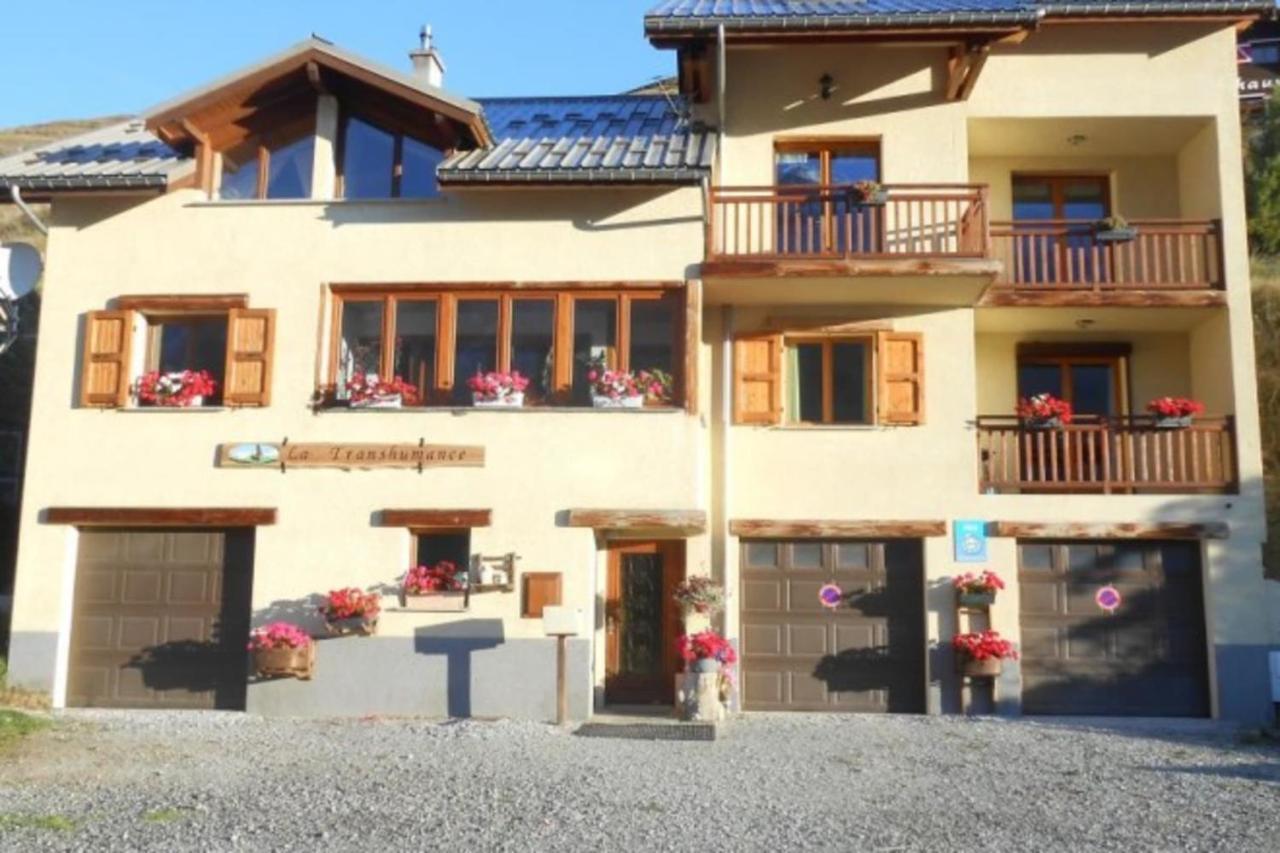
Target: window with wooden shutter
(901,370)
(757,379)
(104,378)
(250,342)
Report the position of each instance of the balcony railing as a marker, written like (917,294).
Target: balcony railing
(833,223)
(1106,455)
(1067,255)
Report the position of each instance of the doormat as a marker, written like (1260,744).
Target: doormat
(649,731)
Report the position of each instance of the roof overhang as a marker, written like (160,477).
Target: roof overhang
(319,67)
(665,31)
(570,177)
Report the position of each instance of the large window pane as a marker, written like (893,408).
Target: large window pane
(240,172)
(1036,379)
(1092,389)
(595,340)
(653,335)
(360,346)
(289,169)
(368,161)
(418,164)
(532,337)
(437,546)
(476,347)
(191,343)
(849,382)
(807,402)
(801,167)
(415,350)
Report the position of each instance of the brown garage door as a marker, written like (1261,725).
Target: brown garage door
(161,619)
(1147,658)
(868,654)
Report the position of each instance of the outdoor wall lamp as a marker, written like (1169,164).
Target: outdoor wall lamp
(826,85)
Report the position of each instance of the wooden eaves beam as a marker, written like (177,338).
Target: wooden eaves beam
(963,67)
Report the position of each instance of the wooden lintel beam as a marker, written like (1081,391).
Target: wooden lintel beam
(1068,530)
(751,528)
(160,516)
(683,521)
(181,302)
(434,518)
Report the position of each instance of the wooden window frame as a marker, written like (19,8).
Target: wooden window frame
(264,143)
(870,375)
(157,320)
(397,154)
(825,147)
(564,299)
(1065,355)
(1057,182)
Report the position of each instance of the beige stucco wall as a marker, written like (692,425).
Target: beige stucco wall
(1141,187)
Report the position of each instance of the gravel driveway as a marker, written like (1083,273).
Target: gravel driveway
(127,781)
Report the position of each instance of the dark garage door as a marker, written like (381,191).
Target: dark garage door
(161,619)
(1148,658)
(868,654)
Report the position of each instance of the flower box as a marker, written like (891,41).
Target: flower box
(1174,412)
(368,391)
(183,389)
(392,401)
(282,650)
(868,194)
(976,599)
(451,601)
(600,402)
(986,668)
(1044,412)
(360,626)
(511,401)
(1116,235)
(1041,424)
(977,590)
(1174,423)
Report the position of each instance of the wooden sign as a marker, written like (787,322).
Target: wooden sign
(348,456)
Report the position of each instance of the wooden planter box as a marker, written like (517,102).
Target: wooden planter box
(976,599)
(989,668)
(285,663)
(436,602)
(360,626)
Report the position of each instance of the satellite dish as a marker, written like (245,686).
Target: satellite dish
(20,268)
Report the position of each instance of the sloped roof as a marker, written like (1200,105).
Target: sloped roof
(120,156)
(609,138)
(689,16)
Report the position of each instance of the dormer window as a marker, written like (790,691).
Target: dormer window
(379,164)
(257,169)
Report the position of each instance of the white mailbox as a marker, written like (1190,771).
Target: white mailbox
(562,621)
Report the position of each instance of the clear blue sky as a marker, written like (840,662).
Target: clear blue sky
(82,58)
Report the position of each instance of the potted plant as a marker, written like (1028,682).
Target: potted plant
(497,390)
(367,391)
(869,194)
(982,654)
(619,389)
(182,389)
(1044,411)
(442,587)
(700,594)
(977,590)
(706,651)
(351,611)
(1174,412)
(282,650)
(1114,229)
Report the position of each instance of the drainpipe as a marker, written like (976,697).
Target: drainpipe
(721,63)
(16,195)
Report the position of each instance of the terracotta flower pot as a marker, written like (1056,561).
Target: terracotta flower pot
(987,668)
(285,662)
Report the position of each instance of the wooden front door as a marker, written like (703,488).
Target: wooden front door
(642,622)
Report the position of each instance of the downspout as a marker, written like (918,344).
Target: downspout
(721,65)
(16,195)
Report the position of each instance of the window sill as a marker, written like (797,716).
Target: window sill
(171,410)
(471,410)
(830,427)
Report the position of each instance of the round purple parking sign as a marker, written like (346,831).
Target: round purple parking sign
(831,596)
(1109,599)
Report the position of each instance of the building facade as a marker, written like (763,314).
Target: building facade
(843,251)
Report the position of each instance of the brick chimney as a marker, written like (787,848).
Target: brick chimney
(427,64)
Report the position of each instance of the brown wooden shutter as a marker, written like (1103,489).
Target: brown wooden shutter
(901,356)
(757,379)
(108,344)
(251,336)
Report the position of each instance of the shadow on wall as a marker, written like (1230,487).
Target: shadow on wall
(456,642)
(185,667)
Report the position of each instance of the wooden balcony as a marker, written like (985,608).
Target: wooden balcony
(1064,262)
(1120,455)
(801,230)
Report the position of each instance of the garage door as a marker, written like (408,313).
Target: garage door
(867,654)
(161,619)
(1146,658)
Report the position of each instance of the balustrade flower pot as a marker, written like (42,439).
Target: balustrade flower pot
(977,599)
(986,668)
(1116,235)
(514,400)
(449,601)
(706,665)
(876,199)
(601,402)
(1180,422)
(390,401)
(1042,424)
(362,626)
(284,662)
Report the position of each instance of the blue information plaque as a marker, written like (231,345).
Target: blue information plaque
(971,541)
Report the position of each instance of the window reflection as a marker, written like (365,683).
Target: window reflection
(368,161)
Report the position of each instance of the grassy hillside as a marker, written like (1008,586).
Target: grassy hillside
(13,225)
(1266,332)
